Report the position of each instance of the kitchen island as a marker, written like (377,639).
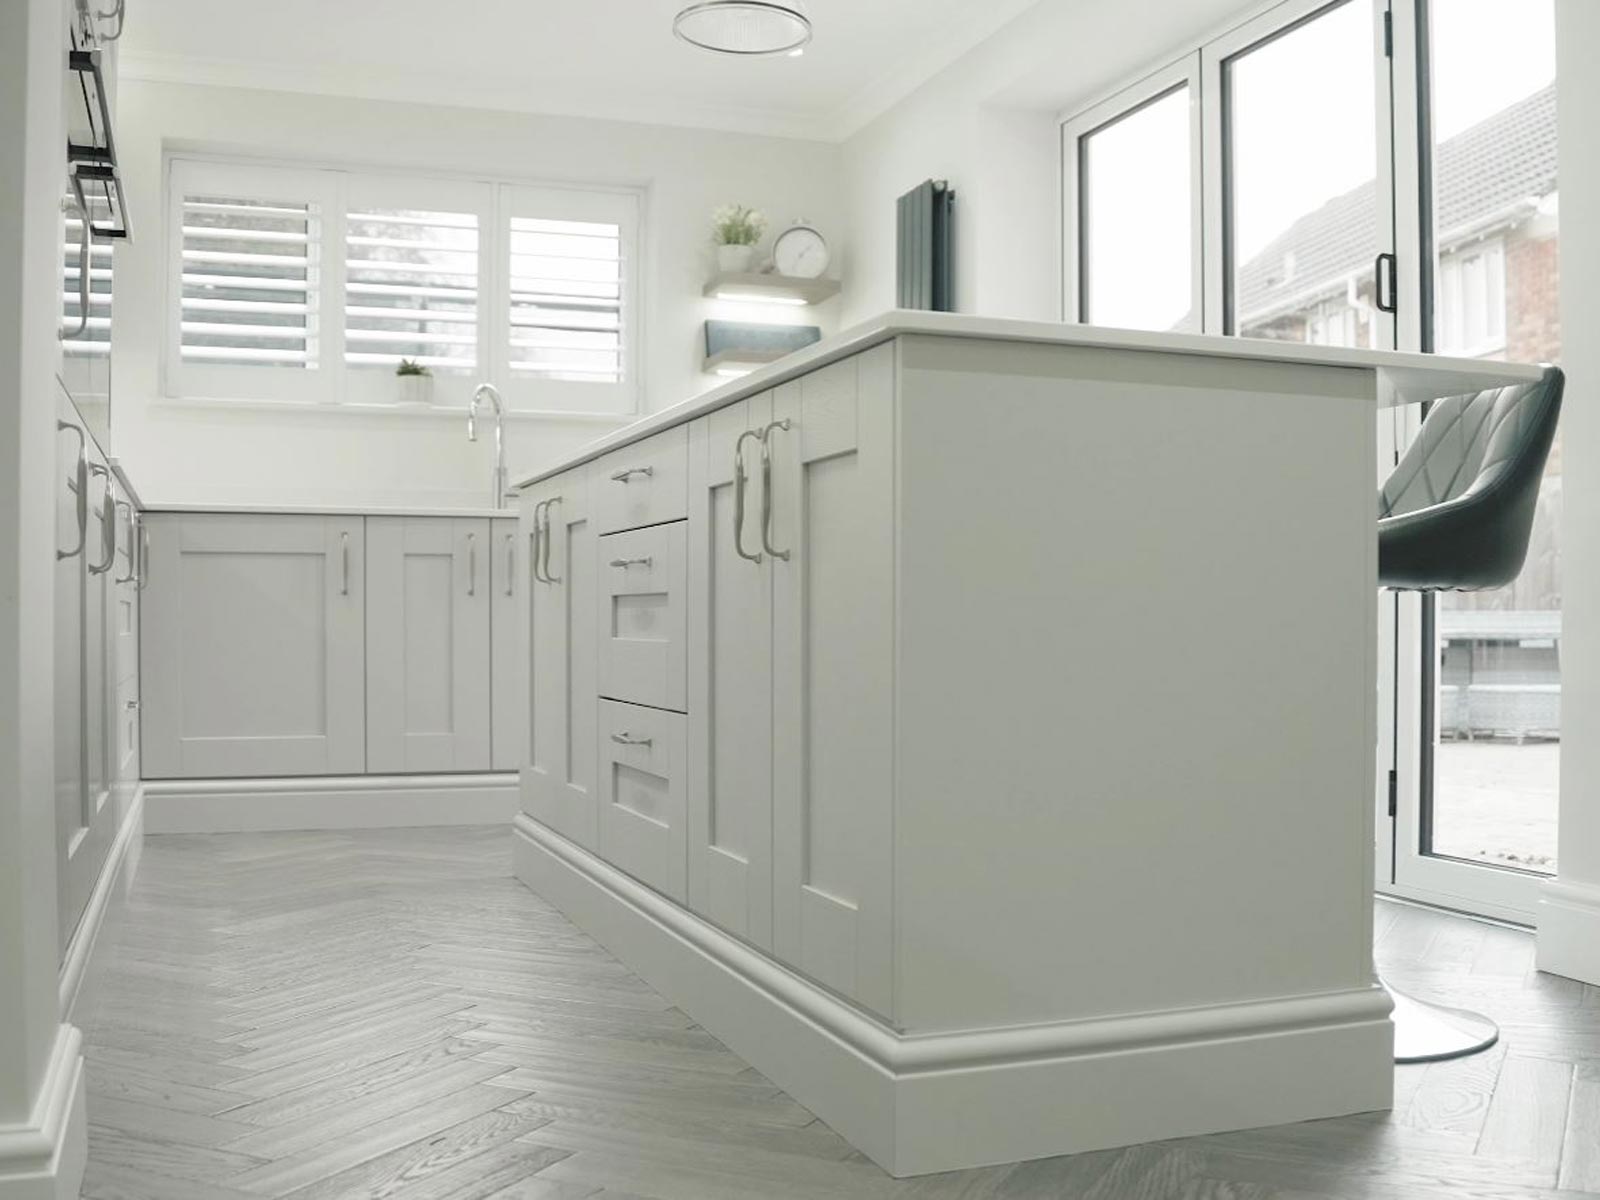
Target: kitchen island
(972,723)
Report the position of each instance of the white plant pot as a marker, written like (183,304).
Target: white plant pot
(736,259)
(415,389)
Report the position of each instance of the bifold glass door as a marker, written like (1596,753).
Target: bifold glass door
(1307,205)
(1475,812)
(1378,174)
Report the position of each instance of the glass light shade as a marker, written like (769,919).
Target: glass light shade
(745,26)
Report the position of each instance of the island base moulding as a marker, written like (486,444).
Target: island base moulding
(44,1157)
(918,1103)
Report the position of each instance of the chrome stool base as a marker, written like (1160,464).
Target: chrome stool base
(1426,1032)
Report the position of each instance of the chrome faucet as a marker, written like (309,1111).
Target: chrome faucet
(499,410)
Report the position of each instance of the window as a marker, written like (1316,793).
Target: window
(1303,205)
(567,325)
(1130,163)
(1472,300)
(249,283)
(311,286)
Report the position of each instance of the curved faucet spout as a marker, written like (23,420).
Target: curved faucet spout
(498,409)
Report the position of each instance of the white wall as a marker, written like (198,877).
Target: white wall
(988,124)
(185,452)
(1569,918)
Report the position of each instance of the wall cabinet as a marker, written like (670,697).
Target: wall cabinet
(429,579)
(254,647)
(558,610)
(743,691)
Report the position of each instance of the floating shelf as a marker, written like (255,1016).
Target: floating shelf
(772,289)
(732,345)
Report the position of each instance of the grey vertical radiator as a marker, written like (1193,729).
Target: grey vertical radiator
(925,259)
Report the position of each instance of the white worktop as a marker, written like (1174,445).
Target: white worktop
(1403,378)
(330,510)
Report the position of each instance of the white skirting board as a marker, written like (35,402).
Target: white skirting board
(938,1102)
(44,1158)
(1568,942)
(116,877)
(327,802)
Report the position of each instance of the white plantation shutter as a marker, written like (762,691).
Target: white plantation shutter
(251,281)
(411,288)
(569,317)
(312,285)
(566,299)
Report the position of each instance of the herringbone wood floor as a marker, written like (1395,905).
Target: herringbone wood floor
(390,1014)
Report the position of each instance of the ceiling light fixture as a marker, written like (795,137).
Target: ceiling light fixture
(748,27)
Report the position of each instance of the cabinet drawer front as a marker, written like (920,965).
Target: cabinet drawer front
(642,824)
(643,618)
(644,484)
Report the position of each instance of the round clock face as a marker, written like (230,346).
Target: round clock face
(801,252)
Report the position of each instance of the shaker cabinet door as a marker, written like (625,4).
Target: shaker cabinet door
(729,769)
(558,609)
(429,591)
(254,654)
(832,665)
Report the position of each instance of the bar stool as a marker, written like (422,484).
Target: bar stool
(1457,514)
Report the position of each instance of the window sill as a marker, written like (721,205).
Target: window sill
(424,412)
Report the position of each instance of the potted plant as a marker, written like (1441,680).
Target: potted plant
(416,382)
(736,229)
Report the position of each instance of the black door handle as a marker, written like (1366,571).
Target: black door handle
(1384,272)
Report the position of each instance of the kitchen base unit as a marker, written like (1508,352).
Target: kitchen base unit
(1019,796)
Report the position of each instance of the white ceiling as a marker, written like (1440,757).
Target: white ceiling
(604,58)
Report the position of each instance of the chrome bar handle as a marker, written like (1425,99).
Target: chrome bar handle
(627,739)
(627,473)
(80,485)
(117,14)
(108,523)
(133,553)
(625,563)
(766,489)
(472,564)
(740,478)
(144,555)
(80,206)
(548,504)
(344,563)
(533,561)
(511,560)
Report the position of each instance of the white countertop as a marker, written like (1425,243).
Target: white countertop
(332,510)
(1403,378)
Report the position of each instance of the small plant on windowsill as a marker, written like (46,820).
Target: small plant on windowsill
(736,229)
(416,382)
